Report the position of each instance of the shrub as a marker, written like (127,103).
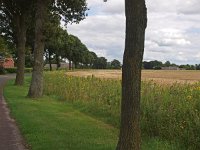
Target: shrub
(14,70)
(2,70)
(11,70)
(28,70)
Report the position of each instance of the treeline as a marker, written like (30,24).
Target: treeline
(157,65)
(59,46)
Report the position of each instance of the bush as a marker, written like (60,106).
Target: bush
(11,70)
(14,70)
(2,70)
(157,68)
(28,70)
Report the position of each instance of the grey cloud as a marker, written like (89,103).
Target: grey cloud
(189,7)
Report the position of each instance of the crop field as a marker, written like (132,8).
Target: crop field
(161,76)
(170,112)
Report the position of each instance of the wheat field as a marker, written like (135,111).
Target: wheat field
(160,76)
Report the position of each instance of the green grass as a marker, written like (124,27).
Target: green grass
(50,124)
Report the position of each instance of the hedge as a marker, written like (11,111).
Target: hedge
(14,70)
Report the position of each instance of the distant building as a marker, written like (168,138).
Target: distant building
(6,62)
(54,66)
(170,68)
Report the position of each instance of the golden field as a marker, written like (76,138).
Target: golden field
(161,76)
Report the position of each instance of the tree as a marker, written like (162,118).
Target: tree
(88,59)
(81,54)
(75,51)
(136,22)
(36,87)
(167,64)
(197,66)
(55,39)
(189,67)
(3,48)
(59,45)
(115,64)
(70,11)
(100,63)
(94,57)
(152,64)
(14,18)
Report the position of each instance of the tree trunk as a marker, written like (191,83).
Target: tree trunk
(57,62)
(50,66)
(70,65)
(75,65)
(21,43)
(136,20)
(36,87)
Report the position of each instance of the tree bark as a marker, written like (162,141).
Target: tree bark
(136,21)
(21,44)
(36,87)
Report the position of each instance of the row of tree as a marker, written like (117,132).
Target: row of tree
(60,46)
(158,65)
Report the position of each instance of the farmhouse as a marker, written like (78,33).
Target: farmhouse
(6,62)
(170,68)
(54,66)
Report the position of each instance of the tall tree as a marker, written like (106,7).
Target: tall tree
(71,11)
(36,87)
(14,16)
(55,37)
(21,28)
(136,22)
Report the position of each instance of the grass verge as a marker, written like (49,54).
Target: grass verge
(48,123)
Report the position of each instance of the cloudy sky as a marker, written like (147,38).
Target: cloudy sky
(173,31)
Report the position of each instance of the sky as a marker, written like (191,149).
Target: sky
(173,30)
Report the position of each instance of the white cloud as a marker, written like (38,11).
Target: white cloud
(173,30)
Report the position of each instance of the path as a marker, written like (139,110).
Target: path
(10,138)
